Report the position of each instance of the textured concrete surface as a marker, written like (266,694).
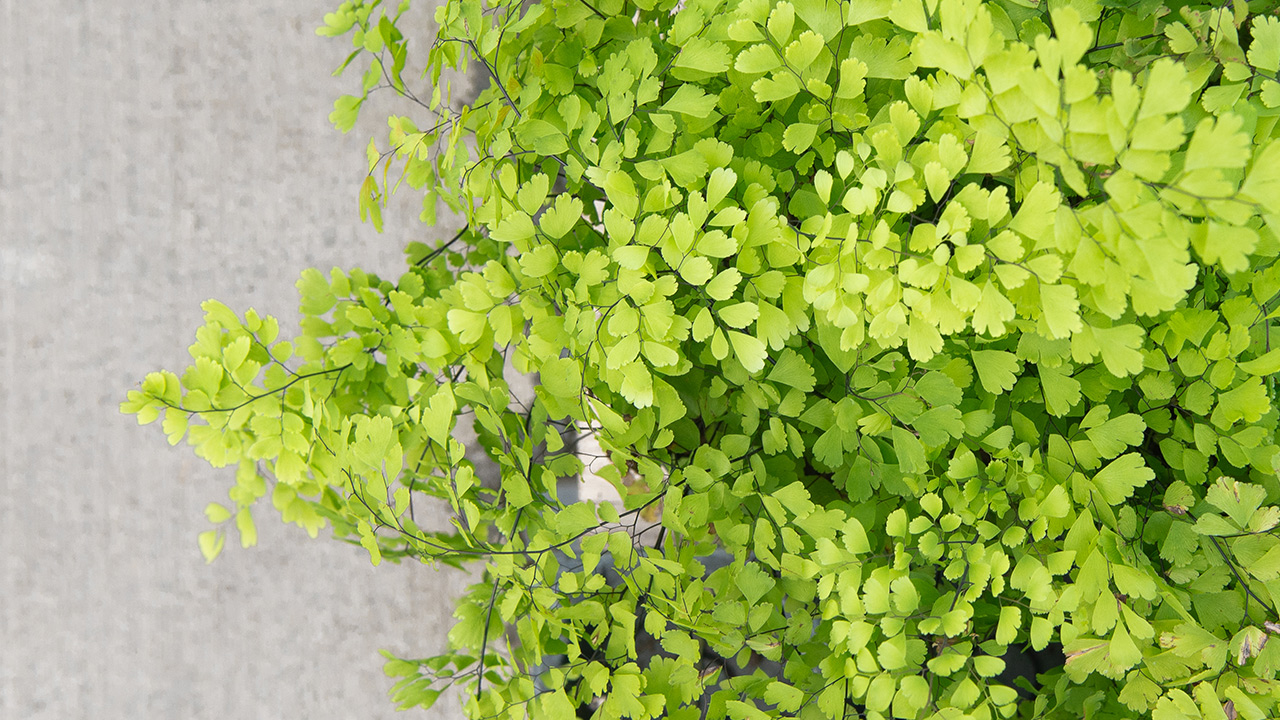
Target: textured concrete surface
(152,156)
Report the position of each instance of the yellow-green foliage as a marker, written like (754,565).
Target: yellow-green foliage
(949,320)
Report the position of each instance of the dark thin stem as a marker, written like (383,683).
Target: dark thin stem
(434,253)
(496,81)
(597,12)
(252,398)
(484,643)
(1247,589)
(1109,46)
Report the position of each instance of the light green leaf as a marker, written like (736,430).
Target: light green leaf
(781,20)
(910,452)
(1061,310)
(234,353)
(517,490)
(740,315)
(937,388)
(1238,500)
(923,339)
(788,698)
(716,244)
(1218,143)
(216,513)
(792,370)
(557,705)
(560,218)
(175,425)
(703,325)
(516,227)
(884,57)
(1268,364)
(690,99)
(696,270)
(1119,347)
(775,88)
(703,56)
(724,284)
(1009,624)
(749,350)
(932,50)
(562,377)
(801,53)
(688,169)
(1111,437)
(853,80)
(719,184)
(1226,245)
(988,666)
(938,426)
(1264,51)
(1247,401)
(1180,38)
(533,193)
(621,190)
(211,542)
(757,59)
(753,582)
(993,311)
(1124,652)
(346,110)
(1117,481)
(799,136)
(795,498)
(997,369)
(540,262)
(631,257)
(541,137)
(248,531)
(988,155)
(1061,391)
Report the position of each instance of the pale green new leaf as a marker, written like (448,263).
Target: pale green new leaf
(1061,391)
(883,57)
(704,56)
(799,136)
(1264,51)
(997,369)
(1117,481)
(1217,143)
(690,100)
(992,312)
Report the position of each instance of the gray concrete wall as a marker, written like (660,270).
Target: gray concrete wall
(154,155)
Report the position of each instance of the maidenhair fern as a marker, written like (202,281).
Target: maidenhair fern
(949,321)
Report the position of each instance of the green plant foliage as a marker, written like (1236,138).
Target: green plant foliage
(948,320)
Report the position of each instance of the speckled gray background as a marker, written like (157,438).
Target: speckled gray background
(154,155)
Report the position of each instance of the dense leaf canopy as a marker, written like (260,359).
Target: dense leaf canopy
(949,321)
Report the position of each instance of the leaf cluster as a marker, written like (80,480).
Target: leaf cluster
(947,322)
